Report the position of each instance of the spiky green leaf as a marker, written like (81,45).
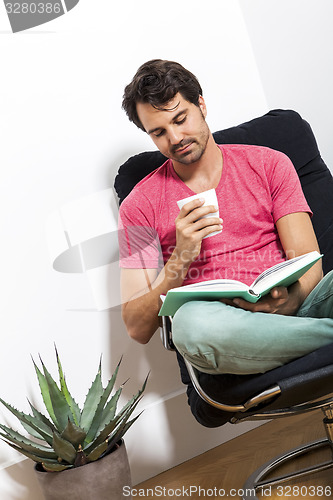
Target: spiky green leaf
(97,452)
(29,421)
(112,426)
(44,389)
(63,448)
(103,435)
(92,399)
(28,450)
(137,395)
(75,409)
(60,406)
(44,423)
(55,466)
(123,415)
(96,421)
(32,456)
(121,431)
(73,434)
(26,444)
(31,431)
(34,433)
(110,409)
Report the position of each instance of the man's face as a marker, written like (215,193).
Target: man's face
(178,129)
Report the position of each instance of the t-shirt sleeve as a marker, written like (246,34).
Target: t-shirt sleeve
(139,246)
(286,190)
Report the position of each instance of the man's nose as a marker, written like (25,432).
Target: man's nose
(175,136)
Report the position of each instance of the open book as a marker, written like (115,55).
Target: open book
(283,274)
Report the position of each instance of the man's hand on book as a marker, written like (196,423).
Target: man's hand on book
(280,300)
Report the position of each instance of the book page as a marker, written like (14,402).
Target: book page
(285,273)
(274,269)
(222,284)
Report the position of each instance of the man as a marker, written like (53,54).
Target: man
(265,220)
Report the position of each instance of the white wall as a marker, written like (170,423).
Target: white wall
(63,136)
(292,41)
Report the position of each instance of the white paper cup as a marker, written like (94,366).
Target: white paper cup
(210,199)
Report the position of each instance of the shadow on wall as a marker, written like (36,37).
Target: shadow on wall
(83,238)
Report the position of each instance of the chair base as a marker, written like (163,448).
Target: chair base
(257,480)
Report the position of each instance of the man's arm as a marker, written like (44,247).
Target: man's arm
(141,288)
(297,238)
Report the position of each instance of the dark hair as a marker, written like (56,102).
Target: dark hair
(156,82)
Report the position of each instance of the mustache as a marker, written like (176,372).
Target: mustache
(181,144)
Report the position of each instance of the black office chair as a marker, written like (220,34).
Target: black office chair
(304,384)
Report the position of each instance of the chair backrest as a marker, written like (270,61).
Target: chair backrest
(283,130)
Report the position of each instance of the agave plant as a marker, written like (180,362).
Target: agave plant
(71,437)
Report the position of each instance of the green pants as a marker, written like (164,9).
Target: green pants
(218,338)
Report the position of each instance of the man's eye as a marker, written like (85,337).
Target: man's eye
(159,134)
(179,122)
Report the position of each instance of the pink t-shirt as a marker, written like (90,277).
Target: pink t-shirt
(258,186)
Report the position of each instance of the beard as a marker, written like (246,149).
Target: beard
(191,149)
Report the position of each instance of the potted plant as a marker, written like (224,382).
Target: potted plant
(80,454)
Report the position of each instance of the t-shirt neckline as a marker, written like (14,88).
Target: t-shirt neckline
(188,190)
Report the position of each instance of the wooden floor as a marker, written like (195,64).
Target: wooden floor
(222,471)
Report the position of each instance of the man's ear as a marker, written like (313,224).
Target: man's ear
(202,106)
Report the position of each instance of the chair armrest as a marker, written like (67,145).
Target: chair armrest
(165,331)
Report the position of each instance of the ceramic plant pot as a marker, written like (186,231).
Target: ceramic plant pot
(103,479)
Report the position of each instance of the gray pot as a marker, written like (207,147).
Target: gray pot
(100,480)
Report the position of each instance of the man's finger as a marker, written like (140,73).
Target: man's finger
(279,292)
